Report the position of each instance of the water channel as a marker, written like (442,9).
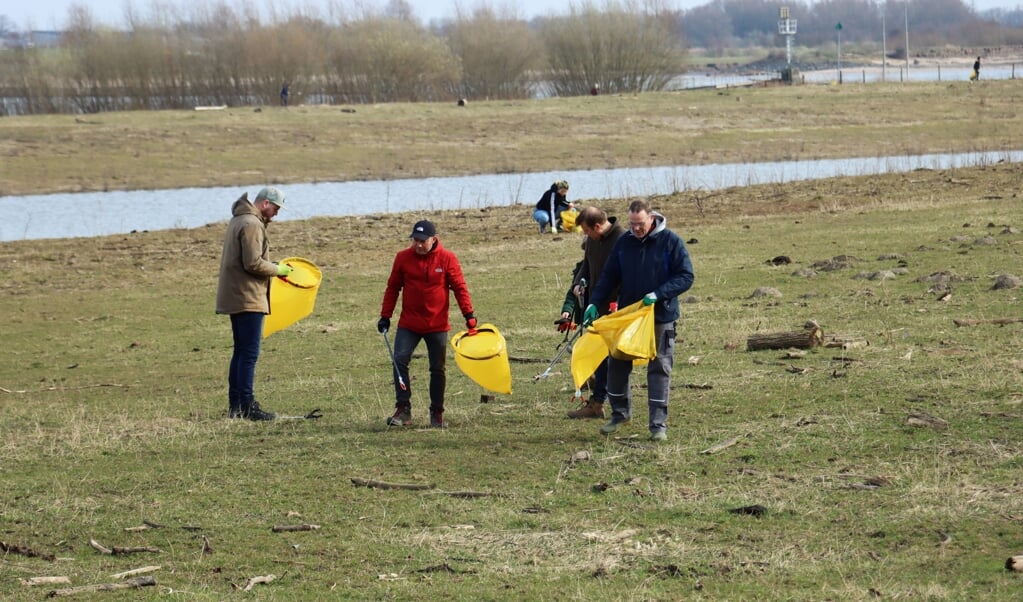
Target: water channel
(90,214)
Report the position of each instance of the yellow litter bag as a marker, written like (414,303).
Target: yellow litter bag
(483,357)
(629,332)
(292,297)
(568,218)
(587,354)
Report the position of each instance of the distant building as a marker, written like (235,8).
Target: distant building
(31,39)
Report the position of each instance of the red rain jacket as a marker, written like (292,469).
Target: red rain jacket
(424,282)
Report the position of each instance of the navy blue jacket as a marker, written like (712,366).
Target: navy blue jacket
(657,263)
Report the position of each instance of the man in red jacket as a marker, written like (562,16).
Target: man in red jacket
(424,273)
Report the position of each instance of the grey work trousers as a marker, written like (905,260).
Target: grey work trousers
(658,381)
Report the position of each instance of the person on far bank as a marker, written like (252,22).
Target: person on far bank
(548,209)
(976,69)
(602,232)
(423,274)
(284,94)
(648,263)
(243,292)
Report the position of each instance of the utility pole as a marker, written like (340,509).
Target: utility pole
(884,46)
(907,40)
(838,28)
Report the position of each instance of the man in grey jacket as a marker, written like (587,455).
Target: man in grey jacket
(243,293)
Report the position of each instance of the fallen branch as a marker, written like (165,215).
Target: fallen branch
(104,587)
(999,321)
(118,550)
(469,494)
(133,572)
(713,449)
(383,485)
(257,580)
(13,548)
(45,581)
(284,528)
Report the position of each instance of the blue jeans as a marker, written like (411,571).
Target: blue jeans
(247,330)
(542,217)
(405,342)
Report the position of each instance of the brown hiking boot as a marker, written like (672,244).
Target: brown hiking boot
(591,409)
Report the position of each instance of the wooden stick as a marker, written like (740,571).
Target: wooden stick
(255,580)
(120,550)
(383,485)
(45,581)
(104,587)
(283,528)
(999,321)
(133,572)
(713,449)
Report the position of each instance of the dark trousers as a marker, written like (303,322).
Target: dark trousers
(599,383)
(405,342)
(247,330)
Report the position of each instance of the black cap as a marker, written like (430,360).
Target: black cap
(423,230)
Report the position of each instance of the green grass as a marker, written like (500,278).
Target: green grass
(243,146)
(113,414)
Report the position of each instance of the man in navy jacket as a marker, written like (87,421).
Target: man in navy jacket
(649,262)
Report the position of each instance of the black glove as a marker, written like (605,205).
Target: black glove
(470,321)
(383,324)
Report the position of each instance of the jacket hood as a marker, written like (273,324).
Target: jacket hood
(660,224)
(243,207)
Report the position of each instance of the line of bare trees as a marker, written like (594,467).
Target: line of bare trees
(227,58)
(218,55)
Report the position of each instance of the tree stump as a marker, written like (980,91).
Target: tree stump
(812,336)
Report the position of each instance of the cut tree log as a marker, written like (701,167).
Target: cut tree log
(800,339)
(1014,563)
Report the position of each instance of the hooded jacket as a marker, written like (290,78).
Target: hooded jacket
(245,268)
(553,203)
(424,282)
(657,263)
(595,254)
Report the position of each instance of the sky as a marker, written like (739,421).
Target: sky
(52,14)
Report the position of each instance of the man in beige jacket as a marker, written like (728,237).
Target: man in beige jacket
(244,294)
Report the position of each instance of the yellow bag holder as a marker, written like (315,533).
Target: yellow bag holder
(483,357)
(292,297)
(627,334)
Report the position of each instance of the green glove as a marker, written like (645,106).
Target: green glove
(284,269)
(649,299)
(589,315)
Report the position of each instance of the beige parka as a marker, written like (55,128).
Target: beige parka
(245,267)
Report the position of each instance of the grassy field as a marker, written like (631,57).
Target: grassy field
(246,146)
(887,461)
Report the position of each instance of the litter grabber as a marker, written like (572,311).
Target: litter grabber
(561,352)
(394,362)
(314,415)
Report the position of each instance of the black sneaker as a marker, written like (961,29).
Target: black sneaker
(437,419)
(402,417)
(256,413)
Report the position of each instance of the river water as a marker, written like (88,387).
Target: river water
(89,214)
